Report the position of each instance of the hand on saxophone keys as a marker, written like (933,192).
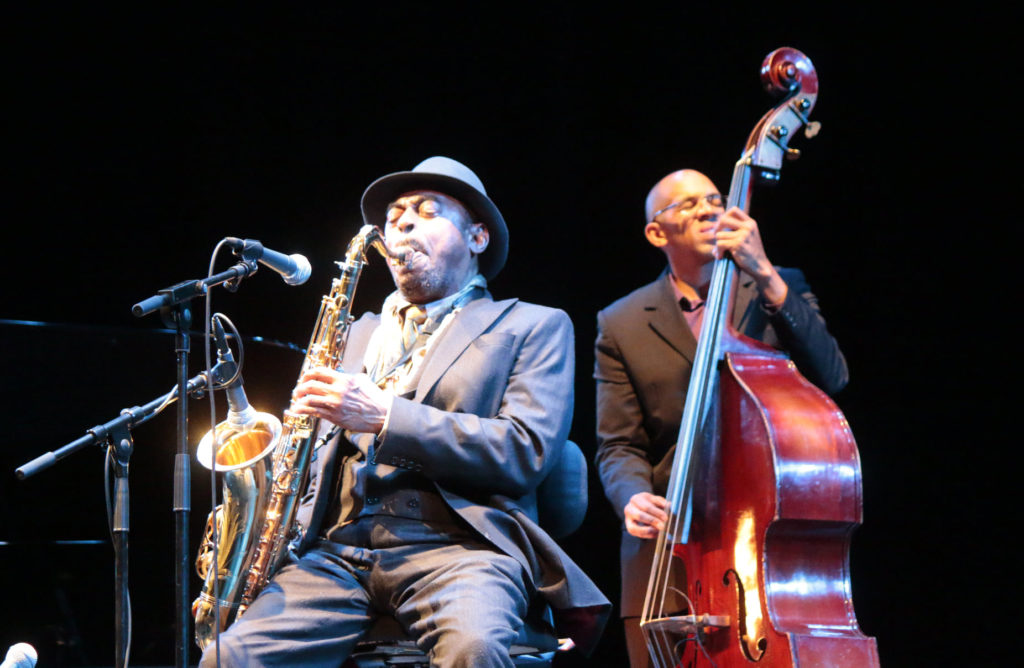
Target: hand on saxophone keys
(351,401)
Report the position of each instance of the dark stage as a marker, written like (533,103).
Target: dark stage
(136,139)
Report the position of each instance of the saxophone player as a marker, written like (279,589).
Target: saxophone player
(455,404)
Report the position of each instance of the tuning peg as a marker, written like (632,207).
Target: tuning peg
(792,153)
(812,129)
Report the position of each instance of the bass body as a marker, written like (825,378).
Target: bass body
(767,559)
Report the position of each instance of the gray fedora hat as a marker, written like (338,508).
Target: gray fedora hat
(454,179)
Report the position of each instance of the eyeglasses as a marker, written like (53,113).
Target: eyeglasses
(690,203)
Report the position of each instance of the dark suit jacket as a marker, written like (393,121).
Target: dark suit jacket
(643,353)
(490,415)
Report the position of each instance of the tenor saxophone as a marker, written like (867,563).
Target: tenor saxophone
(266,467)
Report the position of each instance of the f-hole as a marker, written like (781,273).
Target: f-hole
(741,603)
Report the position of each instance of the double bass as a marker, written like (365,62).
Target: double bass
(765,489)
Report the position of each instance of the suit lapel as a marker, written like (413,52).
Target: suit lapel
(744,305)
(666,318)
(472,321)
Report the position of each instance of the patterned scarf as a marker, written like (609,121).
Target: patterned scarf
(407,331)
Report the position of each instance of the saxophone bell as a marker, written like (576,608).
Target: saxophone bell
(240,449)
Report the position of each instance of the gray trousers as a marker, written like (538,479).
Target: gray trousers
(463,601)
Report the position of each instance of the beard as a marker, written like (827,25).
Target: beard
(421,286)
(426,279)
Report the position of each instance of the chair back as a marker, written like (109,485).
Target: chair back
(562,495)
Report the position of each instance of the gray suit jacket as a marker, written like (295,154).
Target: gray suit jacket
(643,355)
(490,415)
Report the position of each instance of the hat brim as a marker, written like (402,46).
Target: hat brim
(390,187)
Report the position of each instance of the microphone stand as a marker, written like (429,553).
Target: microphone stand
(116,434)
(172,304)
(182,505)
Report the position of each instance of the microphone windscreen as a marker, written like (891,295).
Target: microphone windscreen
(20,655)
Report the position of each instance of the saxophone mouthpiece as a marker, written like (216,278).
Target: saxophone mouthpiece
(401,257)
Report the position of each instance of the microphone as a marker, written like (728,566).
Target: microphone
(294,268)
(257,432)
(226,369)
(21,655)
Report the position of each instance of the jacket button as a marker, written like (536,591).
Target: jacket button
(413,503)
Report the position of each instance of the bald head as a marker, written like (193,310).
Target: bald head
(682,210)
(676,187)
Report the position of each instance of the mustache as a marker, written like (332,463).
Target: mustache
(409,245)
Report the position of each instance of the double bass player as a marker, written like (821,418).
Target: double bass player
(645,345)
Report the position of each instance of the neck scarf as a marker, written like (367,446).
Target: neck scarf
(406,333)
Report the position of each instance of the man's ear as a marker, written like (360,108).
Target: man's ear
(479,237)
(655,235)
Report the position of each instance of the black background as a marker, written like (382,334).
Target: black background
(135,139)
